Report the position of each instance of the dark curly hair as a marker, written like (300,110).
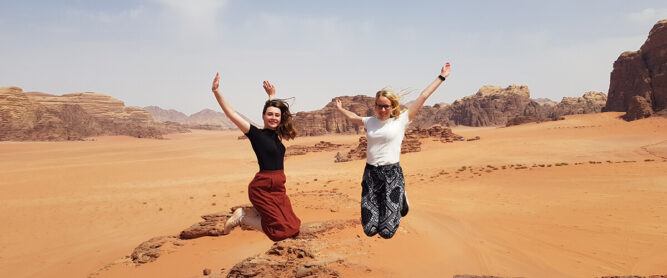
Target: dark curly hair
(285,129)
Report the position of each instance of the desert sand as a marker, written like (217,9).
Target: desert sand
(581,197)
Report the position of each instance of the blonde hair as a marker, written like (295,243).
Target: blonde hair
(393,98)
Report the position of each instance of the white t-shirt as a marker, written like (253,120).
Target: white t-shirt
(385,138)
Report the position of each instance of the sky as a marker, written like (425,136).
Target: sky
(166,52)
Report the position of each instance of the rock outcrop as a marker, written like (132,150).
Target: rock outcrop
(411,141)
(329,120)
(41,116)
(638,82)
(589,103)
(493,106)
(99,106)
(321,146)
(436,132)
(359,152)
(148,251)
(298,257)
(497,106)
(490,106)
(212,225)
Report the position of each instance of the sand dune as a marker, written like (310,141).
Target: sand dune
(582,197)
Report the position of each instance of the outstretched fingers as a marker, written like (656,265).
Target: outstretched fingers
(269,88)
(446,70)
(216,82)
(339,104)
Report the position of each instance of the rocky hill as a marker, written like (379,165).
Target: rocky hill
(490,106)
(329,120)
(210,117)
(205,119)
(163,115)
(41,116)
(638,82)
(589,103)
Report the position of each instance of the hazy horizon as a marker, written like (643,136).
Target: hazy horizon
(166,52)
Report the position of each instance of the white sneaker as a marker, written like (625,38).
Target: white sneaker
(233,221)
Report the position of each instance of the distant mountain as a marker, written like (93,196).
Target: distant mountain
(205,119)
(210,117)
(545,101)
(161,115)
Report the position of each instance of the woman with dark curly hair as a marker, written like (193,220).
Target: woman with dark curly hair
(272,210)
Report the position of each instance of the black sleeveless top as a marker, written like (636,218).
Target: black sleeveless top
(269,150)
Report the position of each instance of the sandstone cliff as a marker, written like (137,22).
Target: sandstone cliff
(490,106)
(41,116)
(589,103)
(638,82)
(329,120)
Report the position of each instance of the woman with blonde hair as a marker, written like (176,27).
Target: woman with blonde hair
(272,210)
(383,198)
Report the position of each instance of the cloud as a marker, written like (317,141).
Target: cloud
(106,17)
(647,16)
(192,18)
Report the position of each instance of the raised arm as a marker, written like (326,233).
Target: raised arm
(270,89)
(419,102)
(241,123)
(354,118)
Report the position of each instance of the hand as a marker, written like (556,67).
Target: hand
(216,82)
(270,89)
(445,70)
(339,104)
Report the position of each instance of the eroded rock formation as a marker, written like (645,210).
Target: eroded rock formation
(151,249)
(490,106)
(298,257)
(437,132)
(301,256)
(41,116)
(411,142)
(638,82)
(329,120)
(321,146)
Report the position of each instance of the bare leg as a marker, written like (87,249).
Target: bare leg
(254,222)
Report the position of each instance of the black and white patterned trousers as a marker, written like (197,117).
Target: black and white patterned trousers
(382,194)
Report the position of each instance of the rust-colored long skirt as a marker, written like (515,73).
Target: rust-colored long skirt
(267,194)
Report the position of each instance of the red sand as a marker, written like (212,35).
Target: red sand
(72,209)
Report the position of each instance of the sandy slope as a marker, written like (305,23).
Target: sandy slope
(72,209)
